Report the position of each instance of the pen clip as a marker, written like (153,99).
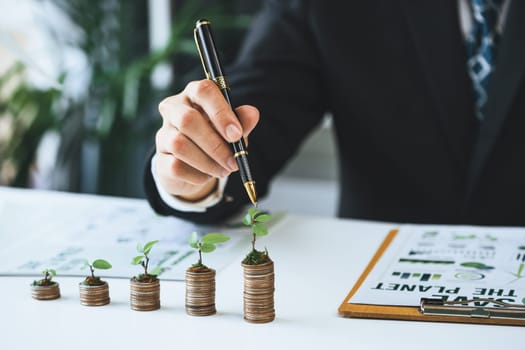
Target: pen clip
(197,43)
(439,307)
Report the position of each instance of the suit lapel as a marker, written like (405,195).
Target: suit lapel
(509,72)
(435,30)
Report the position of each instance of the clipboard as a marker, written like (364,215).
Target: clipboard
(430,310)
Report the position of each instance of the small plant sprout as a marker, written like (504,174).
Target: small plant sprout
(99,264)
(206,244)
(143,260)
(255,219)
(48,276)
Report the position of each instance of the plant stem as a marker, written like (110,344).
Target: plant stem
(200,257)
(146,265)
(253,233)
(45,277)
(92,271)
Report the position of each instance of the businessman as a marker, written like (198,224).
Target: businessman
(427,99)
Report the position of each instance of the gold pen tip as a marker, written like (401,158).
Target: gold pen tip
(250,189)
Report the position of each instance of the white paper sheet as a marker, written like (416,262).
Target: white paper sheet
(40,229)
(449,263)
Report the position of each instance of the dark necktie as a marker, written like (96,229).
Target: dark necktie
(482,47)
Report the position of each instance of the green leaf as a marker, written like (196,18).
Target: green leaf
(260,229)
(253,212)
(149,245)
(214,238)
(263,218)
(86,264)
(157,270)
(140,248)
(52,272)
(207,247)
(137,260)
(194,240)
(247,220)
(101,264)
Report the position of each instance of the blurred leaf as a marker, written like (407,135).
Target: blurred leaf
(263,218)
(247,220)
(149,245)
(260,229)
(194,240)
(157,270)
(214,238)
(101,264)
(52,272)
(137,260)
(140,248)
(207,247)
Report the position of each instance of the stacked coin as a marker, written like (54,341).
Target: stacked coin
(144,296)
(49,292)
(200,292)
(259,288)
(94,295)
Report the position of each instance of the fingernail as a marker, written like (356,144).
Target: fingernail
(232,164)
(233,133)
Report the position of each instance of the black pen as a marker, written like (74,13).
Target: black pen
(213,70)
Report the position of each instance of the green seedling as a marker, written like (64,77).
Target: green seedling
(206,244)
(143,260)
(47,280)
(256,220)
(99,264)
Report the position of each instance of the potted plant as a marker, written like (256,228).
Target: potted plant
(45,288)
(200,279)
(145,288)
(258,272)
(93,290)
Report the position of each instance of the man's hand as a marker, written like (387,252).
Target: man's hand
(192,144)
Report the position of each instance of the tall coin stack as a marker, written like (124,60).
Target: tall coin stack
(259,290)
(200,292)
(94,295)
(144,296)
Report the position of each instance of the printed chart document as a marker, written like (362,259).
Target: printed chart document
(453,263)
(40,229)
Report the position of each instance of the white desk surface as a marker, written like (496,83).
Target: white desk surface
(317,260)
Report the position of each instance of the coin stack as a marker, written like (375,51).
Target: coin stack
(200,292)
(94,295)
(259,287)
(144,296)
(49,292)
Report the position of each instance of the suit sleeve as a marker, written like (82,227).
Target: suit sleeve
(278,72)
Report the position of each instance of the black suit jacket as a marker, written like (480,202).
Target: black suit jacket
(393,75)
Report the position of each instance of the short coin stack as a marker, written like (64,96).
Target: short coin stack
(94,295)
(259,289)
(144,296)
(49,292)
(200,292)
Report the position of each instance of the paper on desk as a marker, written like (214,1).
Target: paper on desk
(41,230)
(453,263)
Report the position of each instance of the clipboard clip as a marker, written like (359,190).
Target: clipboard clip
(498,310)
